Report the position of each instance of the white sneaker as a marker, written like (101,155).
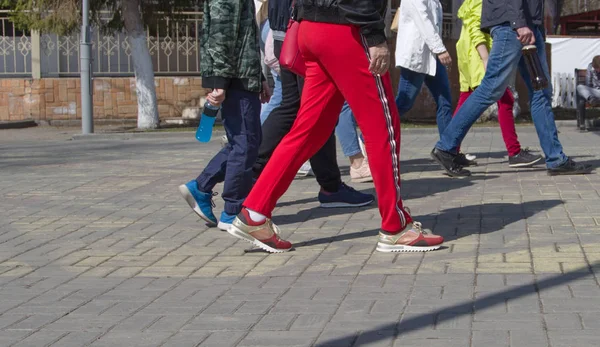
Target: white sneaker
(470,157)
(305,170)
(361,174)
(224,141)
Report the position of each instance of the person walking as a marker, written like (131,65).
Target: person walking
(230,66)
(472,52)
(423,59)
(344,46)
(333,192)
(512,24)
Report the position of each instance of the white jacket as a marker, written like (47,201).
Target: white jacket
(419,37)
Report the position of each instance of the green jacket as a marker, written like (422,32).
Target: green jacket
(229,49)
(470,65)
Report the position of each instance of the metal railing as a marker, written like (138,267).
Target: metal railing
(15,49)
(174,47)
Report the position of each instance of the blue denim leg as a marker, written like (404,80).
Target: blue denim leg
(408,89)
(233,164)
(541,109)
(264,32)
(439,86)
(275,98)
(504,58)
(346,132)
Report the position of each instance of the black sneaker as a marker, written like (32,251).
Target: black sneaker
(446,160)
(462,160)
(570,167)
(524,159)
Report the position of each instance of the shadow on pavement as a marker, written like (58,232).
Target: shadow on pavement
(459,222)
(411,189)
(396,330)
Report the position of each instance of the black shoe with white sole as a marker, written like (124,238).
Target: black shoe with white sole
(448,163)
(462,160)
(524,159)
(570,167)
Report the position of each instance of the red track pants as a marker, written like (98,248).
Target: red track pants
(505,118)
(338,69)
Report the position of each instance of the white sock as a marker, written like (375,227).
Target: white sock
(256,217)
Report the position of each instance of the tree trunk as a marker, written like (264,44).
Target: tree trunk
(142,64)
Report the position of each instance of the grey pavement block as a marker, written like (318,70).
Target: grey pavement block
(216,322)
(563,321)
(137,339)
(8,337)
(586,338)
(34,322)
(76,339)
(137,322)
(532,338)
(490,338)
(280,338)
(590,320)
(75,322)
(337,338)
(223,339)
(186,339)
(42,338)
(304,306)
(255,307)
(567,305)
(310,322)
(376,338)
(275,322)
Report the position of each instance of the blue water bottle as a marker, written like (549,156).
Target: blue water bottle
(204,132)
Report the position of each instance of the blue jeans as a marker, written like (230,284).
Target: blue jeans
(439,86)
(504,58)
(233,164)
(276,97)
(346,132)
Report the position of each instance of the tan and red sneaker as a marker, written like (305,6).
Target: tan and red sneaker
(262,234)
(412,239)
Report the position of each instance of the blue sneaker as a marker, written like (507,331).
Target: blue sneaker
(200,202)
(225,221)
(345,197)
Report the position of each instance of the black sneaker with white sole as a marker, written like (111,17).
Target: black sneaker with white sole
(462,160)
(446,160)
(524,159)
(570,167)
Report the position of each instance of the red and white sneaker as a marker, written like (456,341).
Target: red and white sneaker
(412,239)
(264,235)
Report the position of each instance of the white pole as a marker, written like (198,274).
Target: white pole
(85,68)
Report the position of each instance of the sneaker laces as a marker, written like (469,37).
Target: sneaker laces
(419,227)
(344,186)
(416,225)
(273,226)
(212,202)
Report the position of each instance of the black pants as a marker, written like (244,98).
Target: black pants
(279,123)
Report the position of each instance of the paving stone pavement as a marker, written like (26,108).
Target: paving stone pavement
(97,248)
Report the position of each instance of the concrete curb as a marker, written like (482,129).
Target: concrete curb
(218,133)
(18,124)
(141,135)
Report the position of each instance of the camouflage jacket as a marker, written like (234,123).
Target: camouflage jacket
(229,49)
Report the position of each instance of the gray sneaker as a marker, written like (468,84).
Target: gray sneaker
(524,159)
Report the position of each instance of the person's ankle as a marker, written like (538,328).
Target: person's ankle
(356,160)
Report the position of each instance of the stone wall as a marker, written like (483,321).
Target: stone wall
(58,99)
